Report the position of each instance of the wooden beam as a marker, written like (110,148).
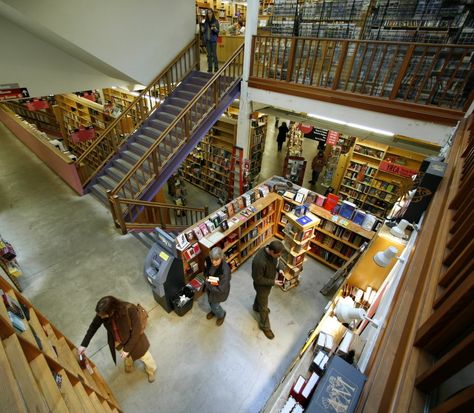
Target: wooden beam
(452,362)
(372,103)
(461,402)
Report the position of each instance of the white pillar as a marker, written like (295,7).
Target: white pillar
(245,109)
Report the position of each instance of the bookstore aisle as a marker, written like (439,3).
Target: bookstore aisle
(72,255)
(273,161)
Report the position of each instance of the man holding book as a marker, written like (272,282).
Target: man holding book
(264,272)
(217,273)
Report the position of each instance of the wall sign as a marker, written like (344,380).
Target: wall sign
(397,169)
(12,94)
(332,138)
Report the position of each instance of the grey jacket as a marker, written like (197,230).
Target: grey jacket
(264,269)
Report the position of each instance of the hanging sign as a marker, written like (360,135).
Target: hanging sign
(16,93)
(37,104)
(305,128)
(397,169)
(332,138)
(83,134)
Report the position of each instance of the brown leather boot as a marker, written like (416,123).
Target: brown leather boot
(210,315)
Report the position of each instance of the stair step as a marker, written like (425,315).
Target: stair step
(154,130)
(146,140)
(138,148)
(183,94)
(171,109)
(130,157)
(190,87)
(123,165)
(165,117)
(179,102)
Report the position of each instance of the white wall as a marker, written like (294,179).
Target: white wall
(136,38)
(43,68)
(426,131)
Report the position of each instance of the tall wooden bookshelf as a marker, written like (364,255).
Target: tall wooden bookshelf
(39,370)
(247,231)
(377,175)
(335,239)
(208,166)
(76,112)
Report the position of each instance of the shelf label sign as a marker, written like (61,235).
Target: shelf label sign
(397,169)
(332,138)
(13,94)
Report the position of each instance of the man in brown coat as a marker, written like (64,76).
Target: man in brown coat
(124,333)
(264,272)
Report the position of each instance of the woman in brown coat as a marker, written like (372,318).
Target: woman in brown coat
(121,320)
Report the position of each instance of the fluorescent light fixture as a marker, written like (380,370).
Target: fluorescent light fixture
(340,122)
(369,129)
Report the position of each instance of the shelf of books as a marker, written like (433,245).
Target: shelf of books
(298,233)
(258,131)
(39,367)
(336,239)
(240,228)
(377,175)
(209,165)
(81,120)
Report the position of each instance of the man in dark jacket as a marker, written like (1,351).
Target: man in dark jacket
(217,291)
(264,271)
(124,333)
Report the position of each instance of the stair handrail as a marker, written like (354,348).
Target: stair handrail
(136,104)
(124,226)
(186,109)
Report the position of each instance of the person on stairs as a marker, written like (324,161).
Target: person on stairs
(264,272)
(216,267)
(210,33)
(317,166)
(124,334)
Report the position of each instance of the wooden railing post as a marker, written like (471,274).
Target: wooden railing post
(252,56)
(340,64)
(291,59)
(402,72)
(119,222)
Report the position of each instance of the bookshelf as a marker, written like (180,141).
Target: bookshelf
(258,132)
(297,237)
(39,370)
(44,119)
(240,228)
(208,166)
(76,112)
(377,175)
(335,239)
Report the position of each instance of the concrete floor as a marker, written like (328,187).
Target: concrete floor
(72,255)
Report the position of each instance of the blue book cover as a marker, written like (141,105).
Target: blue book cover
(17,322)
(339,389)
(304,220)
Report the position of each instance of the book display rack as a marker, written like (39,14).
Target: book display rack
(377,175)
(335,240)
(209,165)
(39,367)
(244,225)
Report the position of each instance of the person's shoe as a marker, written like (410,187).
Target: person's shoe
(128,364)
(220,321)
(209,71)
(210,315)
(269,334)
(151,377)
(256,310)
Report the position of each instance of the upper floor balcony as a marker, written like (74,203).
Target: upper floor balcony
(431,82)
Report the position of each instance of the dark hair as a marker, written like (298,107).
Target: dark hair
(276,246)
(210,20)
(283,124)
(108,305)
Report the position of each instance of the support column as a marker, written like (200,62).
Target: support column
(245,107)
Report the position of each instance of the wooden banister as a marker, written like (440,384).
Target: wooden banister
(433,77)
(124,199)
(110,141)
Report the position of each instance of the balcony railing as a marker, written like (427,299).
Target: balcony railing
(414,73)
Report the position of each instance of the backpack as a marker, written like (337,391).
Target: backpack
(142,317)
